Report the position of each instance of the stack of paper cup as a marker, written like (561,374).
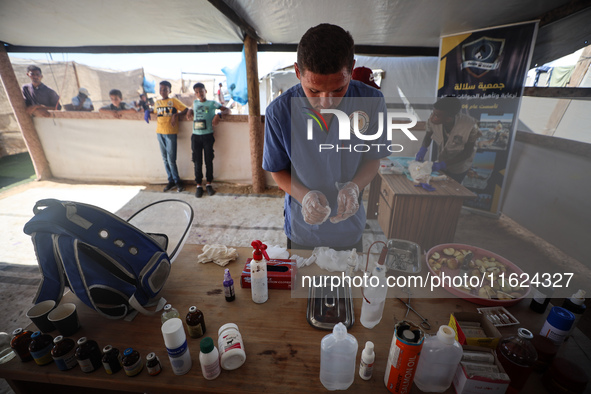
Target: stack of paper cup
(175,341)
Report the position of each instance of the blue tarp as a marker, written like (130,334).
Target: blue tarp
(236,81)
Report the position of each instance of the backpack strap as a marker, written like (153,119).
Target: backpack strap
(52,272)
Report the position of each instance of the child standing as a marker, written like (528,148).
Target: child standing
(204,118)
(169,111)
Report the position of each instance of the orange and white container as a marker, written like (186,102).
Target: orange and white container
(403,357)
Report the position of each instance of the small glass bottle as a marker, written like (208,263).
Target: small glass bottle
(153,364)
(195,322)
(132,362)
(40,348)
(64,353)
(88,355)
(517,355)
(229,286)
(169,313)
(20,344)
(111,359)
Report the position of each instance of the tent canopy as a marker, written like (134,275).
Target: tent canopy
(216,25)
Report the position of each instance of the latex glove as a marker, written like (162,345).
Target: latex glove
(147,116)
(438,165)
(421,154)
(315,208)
(348,202)
(426,186)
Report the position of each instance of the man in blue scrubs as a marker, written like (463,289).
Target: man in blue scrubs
(322,168)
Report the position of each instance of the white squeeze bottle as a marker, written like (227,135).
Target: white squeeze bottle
(258,273)
(338,354)
(367,358)
(371,312)
(439,360)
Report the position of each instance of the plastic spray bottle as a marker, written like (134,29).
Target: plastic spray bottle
(258,273)
(229,286)
(374,297)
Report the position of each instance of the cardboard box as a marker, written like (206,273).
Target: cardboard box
(492,334)
(280,274)
(463,384)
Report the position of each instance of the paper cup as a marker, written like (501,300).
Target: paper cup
(65,319)
(38,315)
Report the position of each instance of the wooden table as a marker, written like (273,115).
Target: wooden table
(282,349)
(413,213)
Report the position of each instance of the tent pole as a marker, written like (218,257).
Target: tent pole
(24,120)
(254,115)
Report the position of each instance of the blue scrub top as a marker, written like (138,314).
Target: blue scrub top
(287,147)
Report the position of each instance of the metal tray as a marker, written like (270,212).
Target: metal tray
(404,256)
(327,307)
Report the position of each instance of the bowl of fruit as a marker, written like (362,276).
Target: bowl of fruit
(478,275)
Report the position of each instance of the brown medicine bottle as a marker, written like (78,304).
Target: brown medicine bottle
(88,355)
(195,323)
(132,362)
(20,343)
(40,348)
(64,353)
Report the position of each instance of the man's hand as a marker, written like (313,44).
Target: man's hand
(348,202)
(216,120)
(421,154)
(174,120)
(315,208)
(438,166)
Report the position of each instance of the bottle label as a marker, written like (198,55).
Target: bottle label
(229,291)
(212,370)
(134,369)
(231,341)
(365,369)
(179,351)
(155,369)
(43,356)
(195,331)
(67,361)
(86,365)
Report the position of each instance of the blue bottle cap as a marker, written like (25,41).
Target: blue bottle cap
(561,318)
(127,351)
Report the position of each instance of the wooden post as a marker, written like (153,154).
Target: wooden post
(24,120)
(254,115)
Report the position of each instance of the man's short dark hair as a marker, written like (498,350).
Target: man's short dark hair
(198,85)
(449,105)
(33,68)
(115,92)
(166,83)
(326,49)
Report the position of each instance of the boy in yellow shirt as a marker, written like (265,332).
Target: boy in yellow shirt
(169,111)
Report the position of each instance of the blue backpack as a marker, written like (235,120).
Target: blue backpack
(110,265)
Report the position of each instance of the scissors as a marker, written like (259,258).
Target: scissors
(425,322)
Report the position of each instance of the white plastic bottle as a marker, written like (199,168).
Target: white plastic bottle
(338,355)
(367,358)
(439,360)
(175,341)
(209,358)
(258,273)
(375,292)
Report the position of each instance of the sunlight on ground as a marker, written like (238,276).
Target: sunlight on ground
(16,208)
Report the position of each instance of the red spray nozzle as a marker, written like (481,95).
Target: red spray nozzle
(259,250)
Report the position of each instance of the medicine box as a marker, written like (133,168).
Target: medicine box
(463,384)
(280,274)
(491,333)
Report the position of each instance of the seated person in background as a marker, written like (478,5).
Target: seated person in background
(455,136)
(38,97)
(81,102)
(117,106)
(144,103)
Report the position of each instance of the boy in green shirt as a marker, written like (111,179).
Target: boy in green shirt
(204,118)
